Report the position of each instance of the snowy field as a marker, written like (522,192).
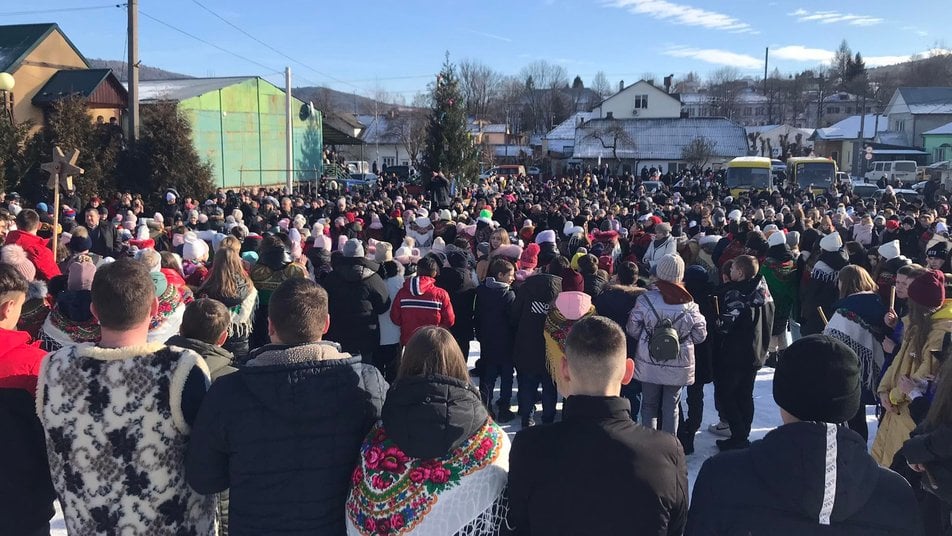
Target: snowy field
(766,418)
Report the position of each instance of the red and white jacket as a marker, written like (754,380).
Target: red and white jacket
(421,303)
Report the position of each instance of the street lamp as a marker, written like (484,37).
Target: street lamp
(6,86)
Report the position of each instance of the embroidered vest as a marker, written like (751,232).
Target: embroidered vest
(116,438)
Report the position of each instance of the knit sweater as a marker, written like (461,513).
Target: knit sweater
(116,435)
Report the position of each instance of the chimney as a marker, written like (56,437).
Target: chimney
(667,83)
(609,115)
(621,85)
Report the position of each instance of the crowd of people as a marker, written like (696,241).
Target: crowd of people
(265,362)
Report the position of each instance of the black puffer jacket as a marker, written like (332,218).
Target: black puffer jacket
(429,416)
(533,300)
(458,282)
(496,335)
(356,297)
(284,434)
(776,487)
(26,491)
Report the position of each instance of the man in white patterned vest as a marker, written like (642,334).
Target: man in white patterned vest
(116,417)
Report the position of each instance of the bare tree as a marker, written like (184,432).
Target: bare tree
(601,85)
(543,100)
(613,136)
(698,152)
(479,84)
(409,126)
(725,85)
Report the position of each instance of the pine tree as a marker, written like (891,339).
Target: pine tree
(449,147)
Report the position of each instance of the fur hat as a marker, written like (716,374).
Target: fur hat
(545,237)
(15,256)
(831,242)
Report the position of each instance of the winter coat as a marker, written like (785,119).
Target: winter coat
(745,323)
(863,233)
(20,359)
(657,250)
(596,472)
(496,335)
(272,269)
(534,299)
(780,486)
(570,307)
(242,309)
(460,285)
(421,303)
(820,290)
(37,250)
(444,455)
(616,303)
(26,489)
(687,321)
(104,238)
(932,447)
(780,272)
(283,435)
(218,359)
(356,296)
(35,309)
(858,323)
(896,428)
(594,285)
(390,332)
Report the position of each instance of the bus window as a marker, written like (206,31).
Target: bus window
(740,177)
(817,174)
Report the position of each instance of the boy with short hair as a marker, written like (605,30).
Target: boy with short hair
(496,336)
(745,324)
(26,496)
(107,409)
(36,247)
(596,471)
(204,329)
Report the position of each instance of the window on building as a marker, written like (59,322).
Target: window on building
(747,111)
(641,101)
(832,109)
(900,126)
(759,110)
(389,161)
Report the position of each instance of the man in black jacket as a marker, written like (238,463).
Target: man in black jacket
(284,432)
(596,471)
(101,233)
(811,475)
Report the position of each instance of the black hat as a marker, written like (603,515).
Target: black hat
(939,250)
(818,380)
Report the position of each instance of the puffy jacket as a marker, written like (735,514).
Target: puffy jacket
(38,251)
(656,251)
(390,332)
(778,487)
(26,488)
(356,296)
(746,318)
(284,433)
(421,303)
(690,325)
(461,286)
(533,301)
(496,335)
(19,360)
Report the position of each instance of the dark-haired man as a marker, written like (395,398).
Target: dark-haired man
(101,233)
(108,409)
(36,247)
(283,433)
(596,471)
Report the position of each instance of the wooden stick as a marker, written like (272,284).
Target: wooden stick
(56,214)
(822,316)
(892,297)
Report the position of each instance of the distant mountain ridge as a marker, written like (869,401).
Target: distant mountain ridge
(146,73)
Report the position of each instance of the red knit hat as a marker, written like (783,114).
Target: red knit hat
(572,281)
(530,257)
(605,262)
(892,225)
(928,289)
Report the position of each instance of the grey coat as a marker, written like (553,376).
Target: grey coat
(691,328)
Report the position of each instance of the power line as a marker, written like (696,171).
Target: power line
(59,10)
(269,47)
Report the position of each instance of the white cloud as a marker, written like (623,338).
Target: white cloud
(683,15)
(490,36)
(831,17)
(915,30)
(715,56)
(878,61)
(801,53)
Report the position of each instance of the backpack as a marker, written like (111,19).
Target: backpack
(664,344)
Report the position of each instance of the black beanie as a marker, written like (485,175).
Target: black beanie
(818,379)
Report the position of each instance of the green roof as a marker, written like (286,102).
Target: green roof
(18,40)
(79,82)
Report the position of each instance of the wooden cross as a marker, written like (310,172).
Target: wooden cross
(61,170)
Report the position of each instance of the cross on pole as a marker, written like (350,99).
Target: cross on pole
(61,170)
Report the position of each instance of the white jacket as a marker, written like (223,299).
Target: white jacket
(390,332)
(670,245)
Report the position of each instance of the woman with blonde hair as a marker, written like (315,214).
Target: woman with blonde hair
(228,283)
(497,240)
(858,322)
(436,463)
(926,324)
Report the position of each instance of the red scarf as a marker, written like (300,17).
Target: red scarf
(673,293)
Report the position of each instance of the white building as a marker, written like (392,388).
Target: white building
(640,100)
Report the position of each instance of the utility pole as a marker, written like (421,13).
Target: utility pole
(769,99)
(133,74)
(288,133)
(860,157)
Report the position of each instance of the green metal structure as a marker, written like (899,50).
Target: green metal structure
(238,125)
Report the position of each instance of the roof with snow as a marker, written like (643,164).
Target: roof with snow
(566,129)
(927,100)
(18,40)
(179,90)
(658,139)
(848,128)
(377,129)
(944,129)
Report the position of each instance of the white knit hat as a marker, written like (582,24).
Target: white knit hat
(776,238)
(670,268)
(735,215)
(889,250)
(831,242)
(194,248)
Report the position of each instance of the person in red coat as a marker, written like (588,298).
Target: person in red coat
(421,303)
(36,248)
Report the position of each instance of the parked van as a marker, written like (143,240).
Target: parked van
(903,171)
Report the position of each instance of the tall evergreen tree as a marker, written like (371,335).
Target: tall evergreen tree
(449,147)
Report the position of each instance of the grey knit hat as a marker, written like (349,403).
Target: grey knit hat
(353,248)
(670,268)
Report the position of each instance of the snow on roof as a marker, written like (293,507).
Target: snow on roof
(944,129)
(696,98)
(927,100)
(377,129)
(566,129)
(661,139)
(179,90)
(848,128)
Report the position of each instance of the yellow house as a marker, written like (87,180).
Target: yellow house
(46,66)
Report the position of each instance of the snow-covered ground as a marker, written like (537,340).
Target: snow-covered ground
(766,418)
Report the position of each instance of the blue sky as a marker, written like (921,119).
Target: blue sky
(398,45)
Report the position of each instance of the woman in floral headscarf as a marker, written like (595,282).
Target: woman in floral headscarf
(424,475)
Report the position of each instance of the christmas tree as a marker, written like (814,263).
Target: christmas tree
(449,147)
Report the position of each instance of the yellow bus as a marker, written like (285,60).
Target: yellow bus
(747,173)
(813,172)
